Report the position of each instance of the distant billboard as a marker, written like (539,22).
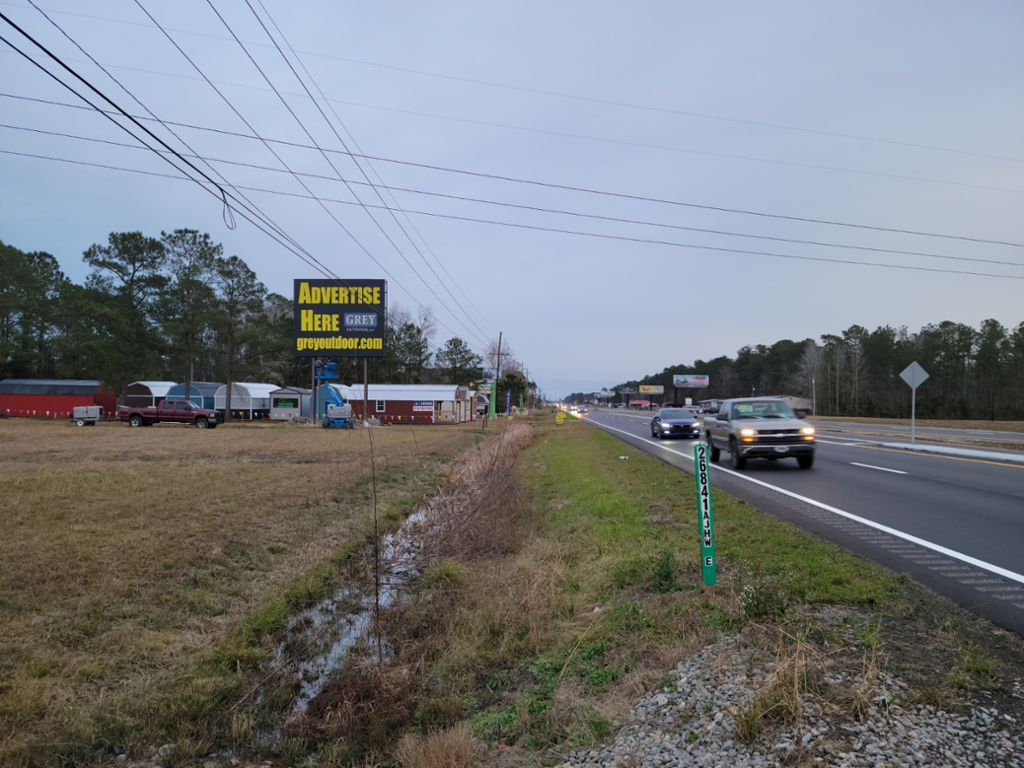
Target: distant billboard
(690,381)
(490,374)
(652,389)
(340,318)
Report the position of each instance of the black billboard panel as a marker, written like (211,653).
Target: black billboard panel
(340,318)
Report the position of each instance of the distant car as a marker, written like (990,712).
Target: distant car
(583,409)
(674,422)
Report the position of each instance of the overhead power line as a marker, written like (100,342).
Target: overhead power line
(557,211)
(570,188)
(591,99)
(600,139)
(597,235)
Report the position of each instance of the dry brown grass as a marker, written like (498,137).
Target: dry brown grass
(480,510)
(453,748)
(127,551)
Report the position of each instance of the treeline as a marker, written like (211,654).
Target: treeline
(974,373)
(176,308)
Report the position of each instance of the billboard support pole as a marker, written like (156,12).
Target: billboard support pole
(366,391)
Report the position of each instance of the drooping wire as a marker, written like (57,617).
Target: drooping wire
(218,191)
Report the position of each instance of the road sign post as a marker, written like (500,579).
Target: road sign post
(707,524)
(915,376)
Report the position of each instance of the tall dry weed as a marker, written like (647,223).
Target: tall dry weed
(454,748)
(481,510)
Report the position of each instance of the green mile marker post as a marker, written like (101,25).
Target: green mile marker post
(707,522)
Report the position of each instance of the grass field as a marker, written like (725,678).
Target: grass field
(148,574)
(139,563)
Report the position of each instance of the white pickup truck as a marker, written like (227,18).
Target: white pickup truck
(759,428)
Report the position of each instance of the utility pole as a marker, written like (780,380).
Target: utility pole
(491,408)
(366,391)
(497,363)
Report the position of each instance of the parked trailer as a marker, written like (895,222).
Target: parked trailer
(86,415)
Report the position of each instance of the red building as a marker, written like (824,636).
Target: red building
(53,398)
(412,403)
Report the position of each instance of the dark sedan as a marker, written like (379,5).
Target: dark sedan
(674,422)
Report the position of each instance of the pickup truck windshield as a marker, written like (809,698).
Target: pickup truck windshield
(769,409)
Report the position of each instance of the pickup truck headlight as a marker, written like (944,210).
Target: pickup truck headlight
(808,430)
(748,432)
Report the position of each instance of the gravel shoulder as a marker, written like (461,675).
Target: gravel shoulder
(923,684)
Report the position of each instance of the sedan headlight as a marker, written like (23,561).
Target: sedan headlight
(808,430)
(748,431)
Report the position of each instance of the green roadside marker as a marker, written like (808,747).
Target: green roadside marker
(707,523)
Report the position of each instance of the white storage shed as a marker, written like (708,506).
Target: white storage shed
(290,401)
(249,400)
(146,394)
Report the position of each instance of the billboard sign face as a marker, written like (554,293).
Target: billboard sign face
(690,381)
(652,389)
(490,373)
(340,318)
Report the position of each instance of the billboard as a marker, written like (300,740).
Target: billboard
(423,405)
(490,374)
(690,381)
(652,389)
(340,318)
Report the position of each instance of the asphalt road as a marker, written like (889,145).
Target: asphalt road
(954,524)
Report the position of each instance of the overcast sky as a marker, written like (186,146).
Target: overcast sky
(905,116)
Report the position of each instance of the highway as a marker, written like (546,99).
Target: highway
(953,524)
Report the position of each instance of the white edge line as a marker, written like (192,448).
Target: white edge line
(870,523)
(880,469)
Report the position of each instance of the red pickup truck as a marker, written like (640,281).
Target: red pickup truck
(175,411)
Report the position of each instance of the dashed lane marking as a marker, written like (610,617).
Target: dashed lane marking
(880,469)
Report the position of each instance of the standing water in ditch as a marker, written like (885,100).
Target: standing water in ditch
(318,640)
(466,519)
